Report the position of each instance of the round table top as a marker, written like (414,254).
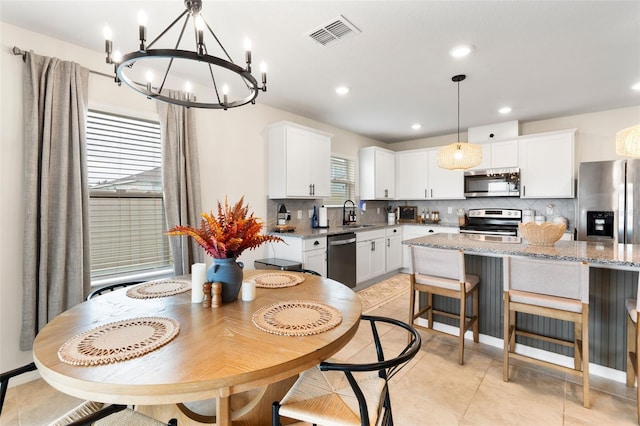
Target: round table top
(217,352)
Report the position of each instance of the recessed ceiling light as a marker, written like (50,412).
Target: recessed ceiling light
(504,110)
(461,51)
(636,86)
(416,126)
(342,90)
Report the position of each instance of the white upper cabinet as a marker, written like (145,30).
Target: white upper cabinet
(299,161)
(418,177)
(504,154)
(377,173)
(444,184)
(547,165)
(412,177)
(499,155)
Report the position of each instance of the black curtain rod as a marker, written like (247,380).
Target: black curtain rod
(17,51)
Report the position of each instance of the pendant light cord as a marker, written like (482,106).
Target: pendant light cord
(458,111)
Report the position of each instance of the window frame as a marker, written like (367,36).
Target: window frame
(151,189)
(352,192)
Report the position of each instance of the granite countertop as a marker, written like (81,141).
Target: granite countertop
(605,254)
(334,230)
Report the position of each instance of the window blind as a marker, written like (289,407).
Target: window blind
(343,181)
(127,221)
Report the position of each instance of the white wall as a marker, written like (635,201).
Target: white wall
(231,146)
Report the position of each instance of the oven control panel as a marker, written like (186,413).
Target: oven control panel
(496,213)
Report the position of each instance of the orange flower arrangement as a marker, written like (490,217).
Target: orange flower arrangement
(227,234)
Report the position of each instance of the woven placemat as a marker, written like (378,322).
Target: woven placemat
(118,341)
(159,288)
(297,318)
(278,280)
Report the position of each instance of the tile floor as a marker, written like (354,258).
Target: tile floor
(432,389)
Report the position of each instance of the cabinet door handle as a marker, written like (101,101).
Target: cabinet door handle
(388,242)
(431,192)
(386,193)
(316,243)
(425,193)
(313,185)
(373,246)
(431,231)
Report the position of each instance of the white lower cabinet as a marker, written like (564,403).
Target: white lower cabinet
(415,231)
(370,254)
(315,255)
(311,252)
(393,250)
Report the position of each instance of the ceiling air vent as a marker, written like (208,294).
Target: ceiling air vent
(336,30)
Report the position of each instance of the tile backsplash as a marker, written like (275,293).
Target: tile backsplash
(375,211)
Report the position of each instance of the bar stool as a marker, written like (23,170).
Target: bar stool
(442,272)
(633,342)
(553,289)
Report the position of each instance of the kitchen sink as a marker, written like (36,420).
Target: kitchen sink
(355,226)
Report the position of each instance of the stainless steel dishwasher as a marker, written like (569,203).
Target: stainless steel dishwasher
(341,258)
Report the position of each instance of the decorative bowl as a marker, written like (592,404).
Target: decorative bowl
(544,234)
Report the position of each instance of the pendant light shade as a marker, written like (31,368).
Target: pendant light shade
(628,142)
(459,155)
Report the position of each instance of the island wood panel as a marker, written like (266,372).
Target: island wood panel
(608,290)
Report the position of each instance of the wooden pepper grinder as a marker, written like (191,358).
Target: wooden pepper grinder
(216,295)
(206,301)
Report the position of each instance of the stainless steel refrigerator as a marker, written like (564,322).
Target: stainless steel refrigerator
(609,201)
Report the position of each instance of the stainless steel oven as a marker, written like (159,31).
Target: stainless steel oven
(493,225)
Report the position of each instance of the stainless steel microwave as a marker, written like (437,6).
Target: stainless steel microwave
(492,183)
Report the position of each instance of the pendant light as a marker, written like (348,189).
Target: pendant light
(459,155)
(628,142)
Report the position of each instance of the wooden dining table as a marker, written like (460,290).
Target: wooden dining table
(217,353)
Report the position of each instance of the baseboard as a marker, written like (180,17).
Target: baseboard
(594,369)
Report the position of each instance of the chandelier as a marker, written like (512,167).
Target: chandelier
(628,142)
(174,65)
(459,155)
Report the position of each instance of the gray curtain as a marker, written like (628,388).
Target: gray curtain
(56,267)
(180,180)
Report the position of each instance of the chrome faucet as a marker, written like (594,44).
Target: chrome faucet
(352,214)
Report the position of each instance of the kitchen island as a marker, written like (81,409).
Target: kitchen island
(613,276)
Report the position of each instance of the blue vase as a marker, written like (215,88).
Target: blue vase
(229,273)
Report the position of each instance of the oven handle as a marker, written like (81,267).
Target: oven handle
(509,233)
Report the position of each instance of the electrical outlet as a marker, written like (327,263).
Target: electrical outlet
(378,210)
(299,214)
(450,210)
(310,214)
(550,208)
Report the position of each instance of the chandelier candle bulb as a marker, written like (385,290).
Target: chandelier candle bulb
(142,27)
(199,22)
(187,89)
(263,70)
(247,54)
(149,80)
(198,278)
(108,44)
